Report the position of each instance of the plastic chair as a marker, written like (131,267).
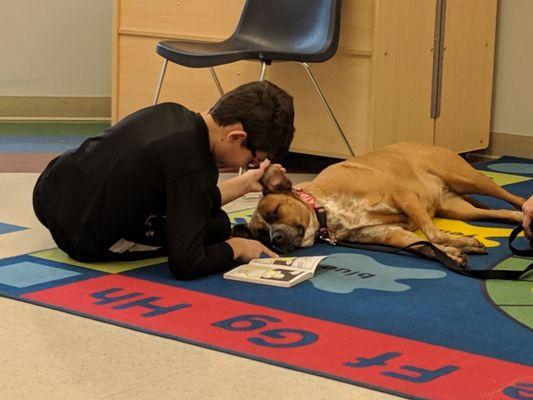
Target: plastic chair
(304,31)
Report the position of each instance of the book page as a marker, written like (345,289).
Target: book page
(302,263)
(268,274)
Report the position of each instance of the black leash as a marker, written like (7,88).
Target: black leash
(520,252)
(324,235)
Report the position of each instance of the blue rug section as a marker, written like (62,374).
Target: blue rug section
(8,228)
(401,295)
(39,144)
(438,307)
(26,274)
(513,166)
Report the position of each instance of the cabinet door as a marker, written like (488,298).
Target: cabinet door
(466,87)
(403,70)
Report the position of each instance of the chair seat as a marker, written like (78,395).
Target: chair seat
(208,54)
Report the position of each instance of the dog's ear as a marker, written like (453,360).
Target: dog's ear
(275,180)
(242,231)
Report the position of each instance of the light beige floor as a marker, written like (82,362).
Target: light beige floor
(47,354)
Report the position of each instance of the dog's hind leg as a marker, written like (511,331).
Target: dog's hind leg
(467,180)
(456,207)
(460,176)
(410,205)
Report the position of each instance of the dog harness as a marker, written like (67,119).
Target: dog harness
(324,235)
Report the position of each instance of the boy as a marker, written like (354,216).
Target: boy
(148,186)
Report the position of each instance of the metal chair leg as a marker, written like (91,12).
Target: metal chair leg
(242,170)
(328,108)
(217,82)
(263,71)
(160,82)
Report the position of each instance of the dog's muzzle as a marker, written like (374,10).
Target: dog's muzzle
(284,238)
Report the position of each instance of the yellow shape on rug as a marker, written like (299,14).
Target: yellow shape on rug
(240,216)
(111,267)
(505,179)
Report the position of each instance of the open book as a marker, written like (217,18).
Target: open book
(283,271)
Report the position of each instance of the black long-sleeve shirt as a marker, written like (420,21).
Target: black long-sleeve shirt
(155,162)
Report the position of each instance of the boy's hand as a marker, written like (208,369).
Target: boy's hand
(246,249)
(253,176)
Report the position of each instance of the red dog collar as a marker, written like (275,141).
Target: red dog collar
(323,233)
(306,198)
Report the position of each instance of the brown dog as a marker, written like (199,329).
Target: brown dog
(381,198)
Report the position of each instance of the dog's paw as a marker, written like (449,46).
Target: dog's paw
(455,254)
(475,247)
(516,216)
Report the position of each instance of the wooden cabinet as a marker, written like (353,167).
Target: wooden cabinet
(381,84)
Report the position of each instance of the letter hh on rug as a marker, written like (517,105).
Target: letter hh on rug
(381,197)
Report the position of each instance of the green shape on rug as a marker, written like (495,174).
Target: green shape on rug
(514,298)
(111,267)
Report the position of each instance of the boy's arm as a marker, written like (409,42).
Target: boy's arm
(218,228)
(191,200)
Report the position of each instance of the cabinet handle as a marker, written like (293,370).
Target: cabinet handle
(438,55)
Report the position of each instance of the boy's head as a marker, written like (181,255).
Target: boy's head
(266,113)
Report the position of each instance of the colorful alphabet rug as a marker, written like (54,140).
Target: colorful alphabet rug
(395,323)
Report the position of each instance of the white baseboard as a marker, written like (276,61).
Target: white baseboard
(502,144)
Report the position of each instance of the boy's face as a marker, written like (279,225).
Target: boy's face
(234,153)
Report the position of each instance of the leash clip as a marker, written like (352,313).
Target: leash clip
(330,241)
(324,235)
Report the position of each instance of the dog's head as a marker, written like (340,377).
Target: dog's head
(281,220)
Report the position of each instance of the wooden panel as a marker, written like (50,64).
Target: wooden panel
(464,122)
(216,19)
(138,73)
(194,19)
(115,61)
(357,27)
(403,64)
(378,83)
(344,80)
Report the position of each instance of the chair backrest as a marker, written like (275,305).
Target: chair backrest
(307,26)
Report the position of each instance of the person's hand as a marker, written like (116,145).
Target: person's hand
(247,249)
(253,176)
(527,209)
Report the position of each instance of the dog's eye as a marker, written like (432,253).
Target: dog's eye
(272,216)
(301,230)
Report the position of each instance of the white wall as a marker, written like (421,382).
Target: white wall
(513,83)
(55,47)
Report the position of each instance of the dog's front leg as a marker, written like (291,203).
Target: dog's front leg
(411,205)
(396,236)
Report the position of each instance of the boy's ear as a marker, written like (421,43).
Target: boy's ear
(236,135)
(275,180)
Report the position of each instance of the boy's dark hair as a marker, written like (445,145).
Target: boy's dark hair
(266,113)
